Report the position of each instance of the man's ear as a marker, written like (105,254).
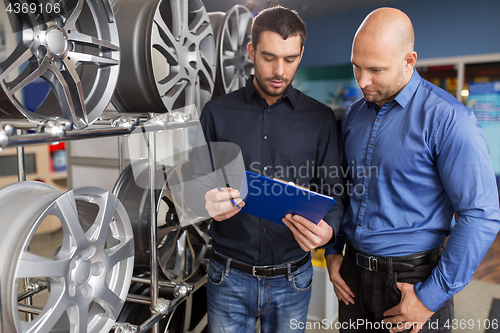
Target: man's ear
(410,59)
(251,52)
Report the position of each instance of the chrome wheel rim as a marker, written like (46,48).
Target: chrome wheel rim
(233,31)
(89,273)
(74,54)
(180,248)
(168,58)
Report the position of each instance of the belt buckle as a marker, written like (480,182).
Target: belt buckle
(257,267)
(372,262)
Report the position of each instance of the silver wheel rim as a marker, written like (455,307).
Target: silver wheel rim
(168,55)
(76,52)
(180,248)
(233,31)
(90,272)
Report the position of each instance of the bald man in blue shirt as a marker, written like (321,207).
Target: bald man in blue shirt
(424,157)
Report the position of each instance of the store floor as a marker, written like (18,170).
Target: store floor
(475,306)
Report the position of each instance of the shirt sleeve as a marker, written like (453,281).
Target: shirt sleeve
(341,237)
(329,176)
(467,176)
(338,246)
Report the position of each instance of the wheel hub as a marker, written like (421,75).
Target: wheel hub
(187,58)
(56,42)
(81,270)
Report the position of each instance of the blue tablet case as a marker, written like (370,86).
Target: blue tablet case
(271,199)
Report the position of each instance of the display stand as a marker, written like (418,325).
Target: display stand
(21,133)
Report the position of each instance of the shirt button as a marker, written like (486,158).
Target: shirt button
(265,168)
(378,119)
(265,137)
(264,229)
(364,199)
(360,224)
(370,146)
(366,173)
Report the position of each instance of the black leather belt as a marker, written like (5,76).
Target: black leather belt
(261,270)
(399,264)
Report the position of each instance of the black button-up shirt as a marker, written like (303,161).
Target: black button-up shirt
(294,139)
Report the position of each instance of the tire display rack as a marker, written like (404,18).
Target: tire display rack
(180,56)
(20,133)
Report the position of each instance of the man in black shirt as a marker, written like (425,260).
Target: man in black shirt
(260,269)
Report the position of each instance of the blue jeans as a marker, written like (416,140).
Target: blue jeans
(236,299)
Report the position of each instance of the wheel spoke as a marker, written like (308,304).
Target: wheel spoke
(34,266)
(31,73)
(45,15)
(234,81)
(228,39)
(110,302)
(92,59)
(120,252)
(197,92)
(70,23)
(99,230)
(78,317)
(79,37)
(171,241)
(176,89)
(201,233)
(20,55)
(161,44)
(83,318)
(178,10)
(162,232)
(70,221)
(203,33)
(244,22)
(236,19)
(228,58)
(53,310)
(68,89)
(208,70)
(198,21)
(164,30)
(171,96)
(181,245)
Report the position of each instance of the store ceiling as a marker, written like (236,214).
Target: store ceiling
(306,8)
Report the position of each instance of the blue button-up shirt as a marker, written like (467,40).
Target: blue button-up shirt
(410,165)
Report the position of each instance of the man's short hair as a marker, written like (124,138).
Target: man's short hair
(281,20)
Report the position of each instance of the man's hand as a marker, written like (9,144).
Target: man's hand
(308,234)
(218,204)
(409,311)
(342,290)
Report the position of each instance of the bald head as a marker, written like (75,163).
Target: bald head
(382,54)
(388,27)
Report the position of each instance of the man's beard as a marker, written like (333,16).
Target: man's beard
(269,91)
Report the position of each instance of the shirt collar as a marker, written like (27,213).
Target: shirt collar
(405,95)
(291,93)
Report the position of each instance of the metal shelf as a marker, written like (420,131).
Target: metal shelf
(20,133)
